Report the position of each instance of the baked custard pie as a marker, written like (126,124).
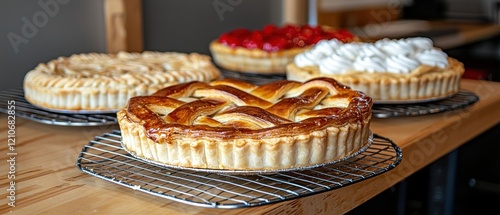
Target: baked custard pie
(229,124)
(104,82)
(388,70)
(269,50)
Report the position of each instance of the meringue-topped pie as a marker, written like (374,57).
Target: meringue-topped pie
(230,124)
(104,82)
(388,70)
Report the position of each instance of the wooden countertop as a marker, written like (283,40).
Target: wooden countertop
(48,181)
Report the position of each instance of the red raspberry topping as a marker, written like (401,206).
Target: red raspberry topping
(272,38)
(229,40)
(275,43)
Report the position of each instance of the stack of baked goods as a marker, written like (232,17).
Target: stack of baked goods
(230,124)
(267,51)
(388,70)
(104,82)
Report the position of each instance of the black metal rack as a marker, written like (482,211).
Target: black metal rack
(460,100)
(26,110)
(105,158)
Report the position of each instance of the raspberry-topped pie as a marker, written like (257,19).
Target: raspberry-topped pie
(104,82)
(267,51)
(234,125)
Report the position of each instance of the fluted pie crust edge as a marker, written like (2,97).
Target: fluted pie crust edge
(294,145)
(48,88)
(424,83)
(318,147)
(257,61)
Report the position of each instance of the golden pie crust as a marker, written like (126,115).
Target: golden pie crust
(234,125)
(240,59)
(104,82)
(423,83)
(258,61)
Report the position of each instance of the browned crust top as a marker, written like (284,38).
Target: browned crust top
(228,109)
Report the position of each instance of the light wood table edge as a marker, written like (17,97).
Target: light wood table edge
(61,188)
(418,152)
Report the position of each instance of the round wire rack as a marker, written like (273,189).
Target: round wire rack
(28,111)
(250,172)
(104,158)
(460,100)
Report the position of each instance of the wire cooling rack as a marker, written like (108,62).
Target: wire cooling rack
(26,110)
(104,158)
(462,99)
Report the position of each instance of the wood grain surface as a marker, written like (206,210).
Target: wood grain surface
(47,180)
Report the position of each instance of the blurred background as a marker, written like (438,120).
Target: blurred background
(465,182)
(39,31)
(42,30)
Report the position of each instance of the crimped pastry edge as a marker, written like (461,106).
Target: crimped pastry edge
(321,146)
(78,99)
(59,93)
(239,59)
(396,87)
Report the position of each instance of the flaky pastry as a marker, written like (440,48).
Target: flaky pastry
(104,82)
(422,84)
(234,125)
(388,70)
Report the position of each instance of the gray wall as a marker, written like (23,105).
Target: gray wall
(73,26)
(469,8)
(189,25)
(77,26)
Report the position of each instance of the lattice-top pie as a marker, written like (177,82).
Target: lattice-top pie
(104,82)
(234,125)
